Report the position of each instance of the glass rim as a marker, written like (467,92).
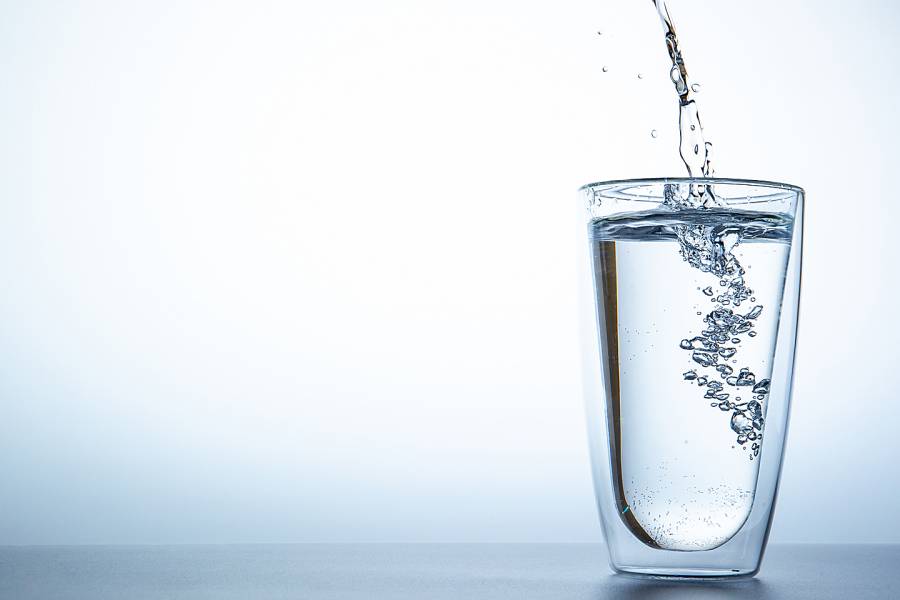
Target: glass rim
(698,180)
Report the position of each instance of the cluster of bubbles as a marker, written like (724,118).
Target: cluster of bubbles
(709,249)
(701,519)
(746,416)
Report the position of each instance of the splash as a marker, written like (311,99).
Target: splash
(709,248)
(695,151)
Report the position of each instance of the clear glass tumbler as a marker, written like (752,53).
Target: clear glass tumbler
(688,367)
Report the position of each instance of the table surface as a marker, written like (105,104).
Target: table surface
(433,571)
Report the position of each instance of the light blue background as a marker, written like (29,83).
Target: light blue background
(281,271)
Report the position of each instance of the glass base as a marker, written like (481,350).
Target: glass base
(688,574)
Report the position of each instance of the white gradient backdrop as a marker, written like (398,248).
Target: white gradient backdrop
(304,271)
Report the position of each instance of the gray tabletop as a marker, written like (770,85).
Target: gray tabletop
(570,571)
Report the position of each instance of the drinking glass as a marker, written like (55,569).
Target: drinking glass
(689,308)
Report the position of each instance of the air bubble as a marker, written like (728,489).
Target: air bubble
(653,133)
(605,69)
(741,425)
(746,378)
(704,359)
(762,387)
(695,88)
(754,312)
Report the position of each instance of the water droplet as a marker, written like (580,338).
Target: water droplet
(701,380)
(696,149)
(752,334)
(695,87)
(708,290)
(605,69)
(640,76)
(690,375)
(693,127)
(727,352)
(732,380)
(686,345)
(653,133)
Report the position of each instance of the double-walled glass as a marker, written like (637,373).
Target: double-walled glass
(690,300)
